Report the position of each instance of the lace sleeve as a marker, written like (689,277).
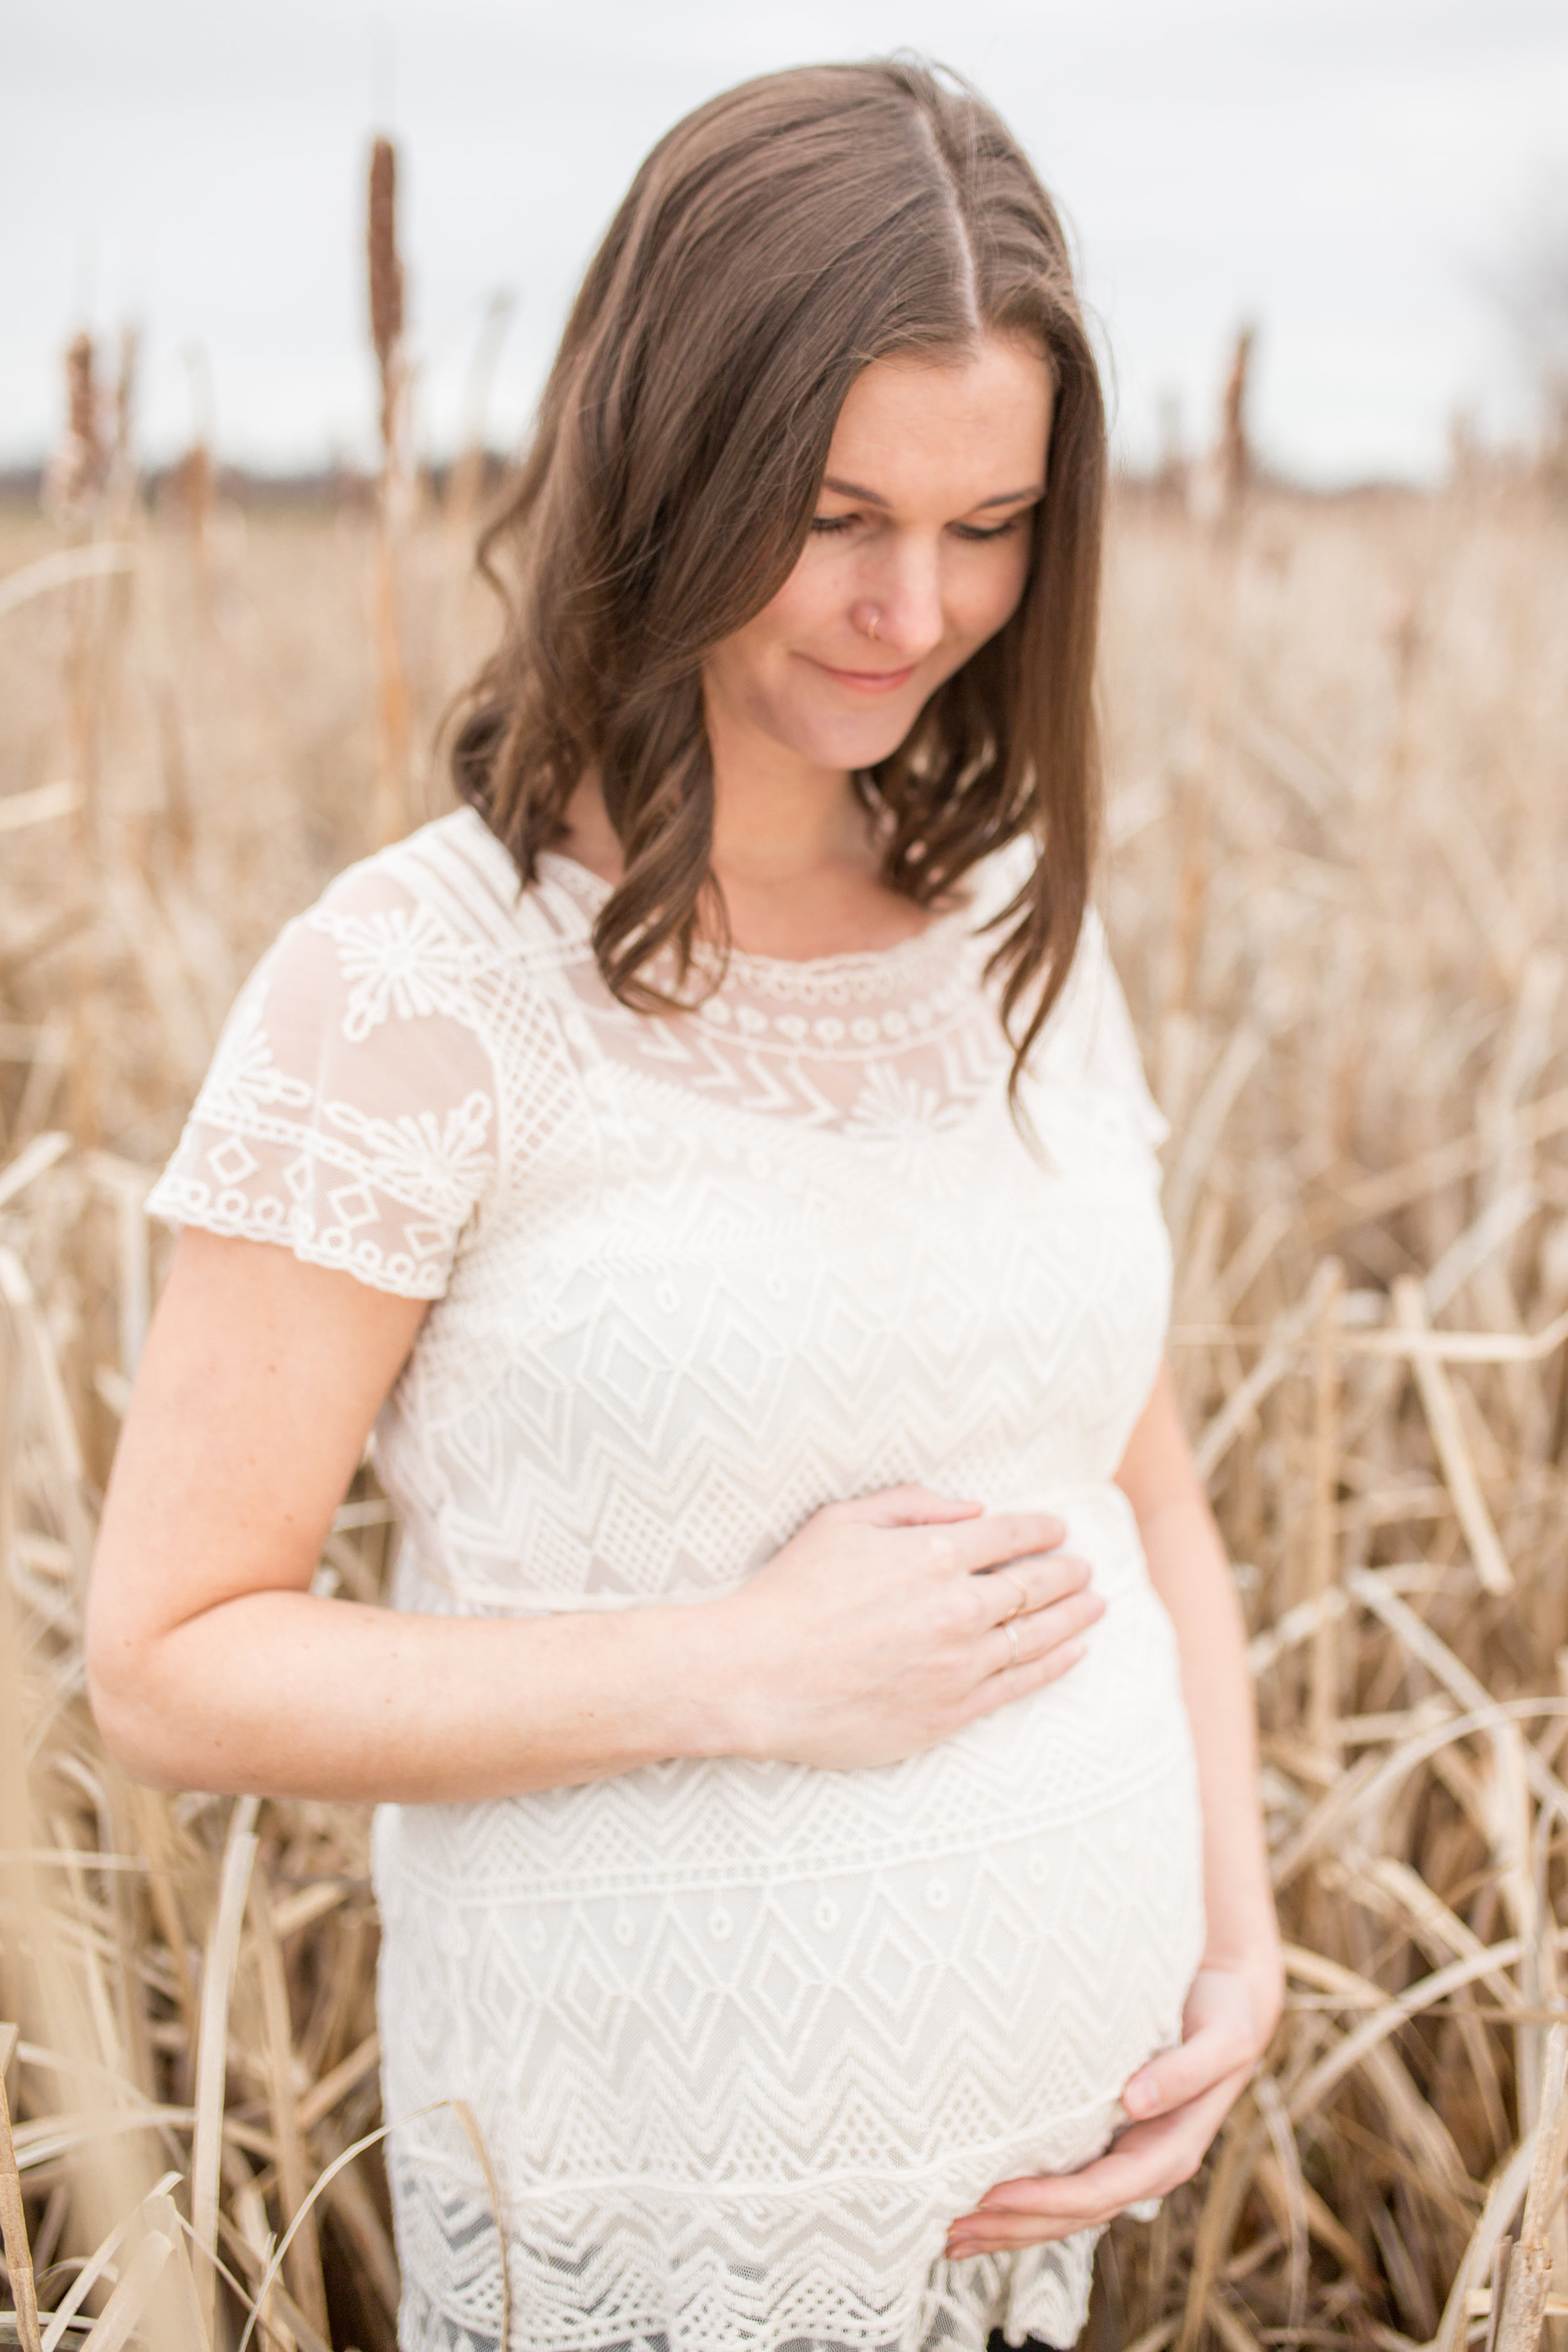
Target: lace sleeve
(1090,1038)
(350,1109)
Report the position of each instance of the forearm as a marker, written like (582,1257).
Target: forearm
(1188,1568)
(288,1695)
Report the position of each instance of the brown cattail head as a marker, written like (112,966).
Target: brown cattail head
(125,393)
(76,472)
(82,389)
(1236,449)
(386,278)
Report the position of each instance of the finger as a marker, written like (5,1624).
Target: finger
(1005,1688)
(1034,2233)
(1013,2235)
(1148,2160)
(1179,2076)
(1030,1585)
(1045,1630)
(1106,2187)
(1026,1663)
(992,2229)
(1024,1647)
(998,1539)
(909,1507)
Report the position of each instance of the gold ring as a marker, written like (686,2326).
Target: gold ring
(1023,1596)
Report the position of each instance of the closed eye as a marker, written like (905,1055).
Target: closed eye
(991,530)
(827,525)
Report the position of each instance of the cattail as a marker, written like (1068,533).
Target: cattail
(1235,449)
(75,473)
(386,335)
(1553,468)
(190,487)
(1217,485)
(125,395)
(81,390)
(385,284)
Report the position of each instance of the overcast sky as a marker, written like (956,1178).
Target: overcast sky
(1349,174)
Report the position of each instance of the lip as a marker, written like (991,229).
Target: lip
(870,681)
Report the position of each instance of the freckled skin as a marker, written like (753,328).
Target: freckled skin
(917,554)
(936,562)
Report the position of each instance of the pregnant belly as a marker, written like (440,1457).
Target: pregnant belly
(770,1984)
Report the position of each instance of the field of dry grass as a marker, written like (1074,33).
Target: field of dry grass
(1338,892)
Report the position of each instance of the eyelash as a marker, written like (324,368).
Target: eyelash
(832,525)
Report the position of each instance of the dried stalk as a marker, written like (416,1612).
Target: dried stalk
(1529,2269)
(387,327)
(13,2217)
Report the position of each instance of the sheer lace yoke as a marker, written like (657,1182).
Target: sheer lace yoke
(872,1043)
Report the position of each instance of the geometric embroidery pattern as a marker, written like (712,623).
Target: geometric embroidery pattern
(740,2038)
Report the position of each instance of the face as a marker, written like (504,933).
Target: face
(917,554)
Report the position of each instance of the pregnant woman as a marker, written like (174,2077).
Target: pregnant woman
(817,1829)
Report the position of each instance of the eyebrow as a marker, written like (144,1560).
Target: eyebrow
(1002,498)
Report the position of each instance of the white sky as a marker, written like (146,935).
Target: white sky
(1349,172)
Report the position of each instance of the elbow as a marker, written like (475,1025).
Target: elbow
(139,1731)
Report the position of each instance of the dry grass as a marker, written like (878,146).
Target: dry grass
(1338,898)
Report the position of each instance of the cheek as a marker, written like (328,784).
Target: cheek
(991,594)
(812,598)
(809,601)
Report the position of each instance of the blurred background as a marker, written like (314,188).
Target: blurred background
(1381,185)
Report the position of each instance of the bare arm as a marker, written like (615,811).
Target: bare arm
(1180,2100)
(1190,1571)
(210,1663)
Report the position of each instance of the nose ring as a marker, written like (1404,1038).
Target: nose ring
(871,624)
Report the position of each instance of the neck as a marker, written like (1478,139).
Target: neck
(779,821)
(794,852)
(780,824)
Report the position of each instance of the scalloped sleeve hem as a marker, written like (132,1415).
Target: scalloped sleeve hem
(178,1201)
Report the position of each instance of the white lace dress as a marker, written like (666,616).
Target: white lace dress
(740,2038)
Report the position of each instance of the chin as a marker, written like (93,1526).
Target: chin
(861,742)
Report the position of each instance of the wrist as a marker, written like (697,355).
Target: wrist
(1255,1954)
(709,1679)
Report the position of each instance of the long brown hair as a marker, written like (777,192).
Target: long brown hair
(773,244)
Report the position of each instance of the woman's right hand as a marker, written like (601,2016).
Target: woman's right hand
(875,1630)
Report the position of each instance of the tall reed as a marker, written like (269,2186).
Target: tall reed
(386,289)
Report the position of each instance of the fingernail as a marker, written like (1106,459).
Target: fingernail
(1138,2098)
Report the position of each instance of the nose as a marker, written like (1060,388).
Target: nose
(904,586)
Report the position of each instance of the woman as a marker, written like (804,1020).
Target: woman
(716,1161)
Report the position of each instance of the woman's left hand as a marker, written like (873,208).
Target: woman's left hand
(1178,2102)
